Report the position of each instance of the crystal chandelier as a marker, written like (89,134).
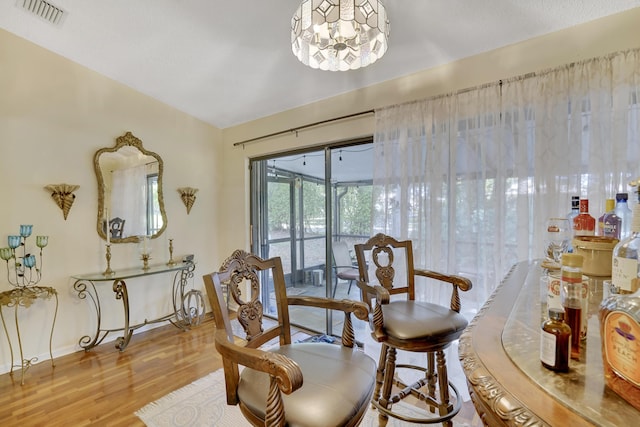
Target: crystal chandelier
(339,35)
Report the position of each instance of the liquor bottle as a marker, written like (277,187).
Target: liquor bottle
(613,225)
(619,317)
(623,212)
(575,208)
(624,263)
(573,296)
(609,206)
(584,224)
(575,211)
(555,342)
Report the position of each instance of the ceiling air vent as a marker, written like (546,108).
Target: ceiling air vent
(43,10)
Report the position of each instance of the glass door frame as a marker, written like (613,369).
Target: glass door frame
(259,223)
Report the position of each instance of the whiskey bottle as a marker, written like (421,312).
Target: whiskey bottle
(584,224)
(574,294)
(575,211)
(555,342)
(619,317)
(575,208)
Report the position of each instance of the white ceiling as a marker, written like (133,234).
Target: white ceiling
(230,62)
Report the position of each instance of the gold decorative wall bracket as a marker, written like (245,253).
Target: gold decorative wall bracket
(188,196)
(63,195)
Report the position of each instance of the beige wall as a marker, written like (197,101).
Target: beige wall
(54,115)
(617,32)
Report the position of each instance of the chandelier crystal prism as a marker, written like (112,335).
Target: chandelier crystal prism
(339,35)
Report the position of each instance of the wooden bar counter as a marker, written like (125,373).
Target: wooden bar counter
(509,386)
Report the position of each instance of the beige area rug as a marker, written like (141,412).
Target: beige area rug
(203,403)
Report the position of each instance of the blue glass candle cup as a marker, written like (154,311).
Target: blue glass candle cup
(25,230)
(30,261)
(14,241)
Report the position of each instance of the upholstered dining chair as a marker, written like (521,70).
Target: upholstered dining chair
(343,267)
(293,384)
(400,322)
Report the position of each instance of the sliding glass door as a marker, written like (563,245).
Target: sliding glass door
(300,205)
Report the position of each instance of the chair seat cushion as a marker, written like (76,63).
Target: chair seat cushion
(413,320)
(337,383)
(348,274)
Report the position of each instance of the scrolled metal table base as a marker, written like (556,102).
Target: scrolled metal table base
(25,296)
(186,303)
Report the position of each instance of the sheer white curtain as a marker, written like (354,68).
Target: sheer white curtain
(582,124)
(471,177)
(128,199)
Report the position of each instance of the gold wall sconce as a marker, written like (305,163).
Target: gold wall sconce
(188,196)
(63,195)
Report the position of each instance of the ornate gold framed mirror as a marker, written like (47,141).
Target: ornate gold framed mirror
(130,197)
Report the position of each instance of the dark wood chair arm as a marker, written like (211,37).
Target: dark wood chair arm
(458,282)
(461,282)
(285,371)
(382,297)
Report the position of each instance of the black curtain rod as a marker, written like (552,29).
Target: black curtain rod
(282,132)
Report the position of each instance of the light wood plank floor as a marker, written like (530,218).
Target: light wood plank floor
(105,387)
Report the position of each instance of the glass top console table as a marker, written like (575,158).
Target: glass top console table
(188,305)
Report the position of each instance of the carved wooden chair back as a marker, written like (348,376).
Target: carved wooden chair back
(265,388)
(241,275)
(390,265)
(407,324)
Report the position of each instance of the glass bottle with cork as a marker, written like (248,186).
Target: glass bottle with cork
(555,342)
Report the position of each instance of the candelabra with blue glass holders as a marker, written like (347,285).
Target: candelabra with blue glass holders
(24,272)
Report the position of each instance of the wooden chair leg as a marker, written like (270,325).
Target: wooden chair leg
(380,372)
(432,377)
(387,384)
(445,406)
(435,377)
